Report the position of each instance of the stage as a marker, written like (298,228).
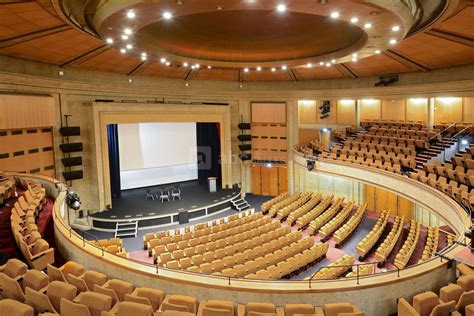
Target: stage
(132,206)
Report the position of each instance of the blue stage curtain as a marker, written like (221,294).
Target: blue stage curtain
(114,160)
(209,152)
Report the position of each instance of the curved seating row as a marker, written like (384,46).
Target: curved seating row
(367,123)
(431,245)
(303,220)
(386,247)
(369,241)
(405,253)
(346,230)
(265,207)
(7,187)
(336,221)
(335,269)
(366,146)
(294,214)
(361,270)
(322,219)
(304,198)
(287,201)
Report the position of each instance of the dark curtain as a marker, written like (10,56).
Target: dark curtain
(114,160)
(209,152)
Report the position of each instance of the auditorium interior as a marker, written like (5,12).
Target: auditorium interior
(236,157)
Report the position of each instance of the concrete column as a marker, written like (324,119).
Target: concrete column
(431,109)
(246,167)
(357,113)
(293,139)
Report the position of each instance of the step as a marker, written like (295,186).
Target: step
(125,235)
(126,224)
(126,230)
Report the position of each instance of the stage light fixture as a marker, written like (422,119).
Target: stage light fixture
(281,8)
(73,201)
(310,164)
(386,80)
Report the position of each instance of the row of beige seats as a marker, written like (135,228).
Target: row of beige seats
(318,222)
(350,226)
(431,245)
(302,221)
(379,164)
(259,242)
(225,245)
(417,142)
(199,230)
(454,299)
(336,221)
(321,203)
(465,160)
(451,172)
(361,270)
(380,130)
(404,254)
(454,127)
(391,157)
(335,269)
(265,207)
(285,213)
(385,249)
(287,201)
(7,187)
(268,257)
(392,136)
(112,245)
(294,205)
(367,146)
(218,236)
(117,297)
(294,264)
(367,123)
(366,244)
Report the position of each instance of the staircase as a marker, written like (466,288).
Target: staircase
(434,152)
(126,229)
(240,204)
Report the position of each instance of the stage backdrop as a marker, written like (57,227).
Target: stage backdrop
(157,153)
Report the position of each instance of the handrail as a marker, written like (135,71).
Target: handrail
(444,130)
(456,135)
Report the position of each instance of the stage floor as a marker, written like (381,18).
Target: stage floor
(193,196)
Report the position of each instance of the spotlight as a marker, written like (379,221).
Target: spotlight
(109,40)
(281,8)
(328,64)
(187,84)
(321,63)
(325,130)
(259,68)
(61,72)
(246,70)
(377,51)
(310,164)
(393,41)
(123,50)
(273,69)
(309,65)
(167,15)
(333,61)
(73,201)
(163,60)
(354,20)
(209,67)
(129,46)
(185,64)
(334,15)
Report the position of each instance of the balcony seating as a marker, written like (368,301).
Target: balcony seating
(50,301)
(35,280)
(350,226)
(14,268)
(179,303)
(369,241)
(96,303)
(336,309)
(425,304)
(336,221)
(39,255)
(405,253)
(322,219)
(466,282)
(146,296)
(386,247)
(61,273)
(302,220)
(14,308)
(361,270)
(7,188)
(11,288)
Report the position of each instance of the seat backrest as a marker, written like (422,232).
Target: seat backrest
(95,302)
(39,246)
(135,309)
(72,267)
(292,309)
(11,288)
(187,301)
(155,296)
(94,277)
(35,280)
(108,292)
(54,274)
(39,301)
(258,307)
(78,282)
(58,290)
(120,288)
(14,268)
(11,307)
(443,309)
(71,308)
(218,308)
(467,298)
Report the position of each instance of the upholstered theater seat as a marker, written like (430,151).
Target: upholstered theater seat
(464,269)
(451,292)
(259,309)
(36,280)
(302,309)
(14,268)
(93,277)
(337,309)
(179,303)
(147,296)
(10,307)
(119,287)
(216,308)
(95,302)
(129,309)
(11,288)
(466,282)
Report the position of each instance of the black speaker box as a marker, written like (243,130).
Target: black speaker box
(245,138)
(70,148)
(244,157)
(73,175)
(244,126)
(245,147)
(70,131)
(72,161)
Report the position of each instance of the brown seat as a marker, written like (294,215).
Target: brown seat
(93,277)
(336,309)
(216,308)
(451,292)
(36,280)
(9,307)
(466,282)
(180,303)
(467,298)
(302,309)
(129,309)
(14,268)
(78,282)
(58,290)
(147,296)
(11,288)
(72,308)
(95,302)
(39,301)
(119,287)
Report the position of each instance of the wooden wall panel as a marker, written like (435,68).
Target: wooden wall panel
(370,109)
(345,112)
(369,197)
(448,110)
(468,108)
(256,180)
(282,180)
(19,111)
(393,110)
(305,135)
(417,110)
(269,181)
(405,208)
(268,112)
(307,112)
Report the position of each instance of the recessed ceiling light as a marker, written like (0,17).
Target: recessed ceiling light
(321,63)
(393,41)
(328,64)
(246,70)
(144,54)
(185,64)
(334,15)
(127,31)
(281,8)
(130,80)
(167,15)
(309,65)
(209,67)
(129,46)
(220,8)
(193,67)
(143,57)
(354,55)
(197,66)
(259,68)
(163,60)
(354,20)
(125,37)
(377,51)
(273,69)
(109,40)
(123,50)
(284,67)
(168,63)
(396,28)
(354,59)
(367,25)
(333,61)
(131,14)
(61,72)
(187,84)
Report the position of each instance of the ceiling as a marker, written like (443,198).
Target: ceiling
(241,34)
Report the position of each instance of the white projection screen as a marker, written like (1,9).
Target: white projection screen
(157,153)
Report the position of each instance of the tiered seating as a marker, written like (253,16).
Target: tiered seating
(386,247)
(265,207)
(7,188)
(112,245)
(431,244)
(404,255)
(367,123)
(337,221)
(336,269)
(322,219)
(346,230)
(287,201)
(361,270)
(90,293)
(306,218)
(293,214)
(295,263)
(290,207)
(369,241)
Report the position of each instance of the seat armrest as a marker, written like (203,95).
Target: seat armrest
(77,299)
(240,310)
(280,311)
(404,308)
(202,304)
(318,311)
(105,313)
(456,313)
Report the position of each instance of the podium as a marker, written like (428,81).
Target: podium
(212,182)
